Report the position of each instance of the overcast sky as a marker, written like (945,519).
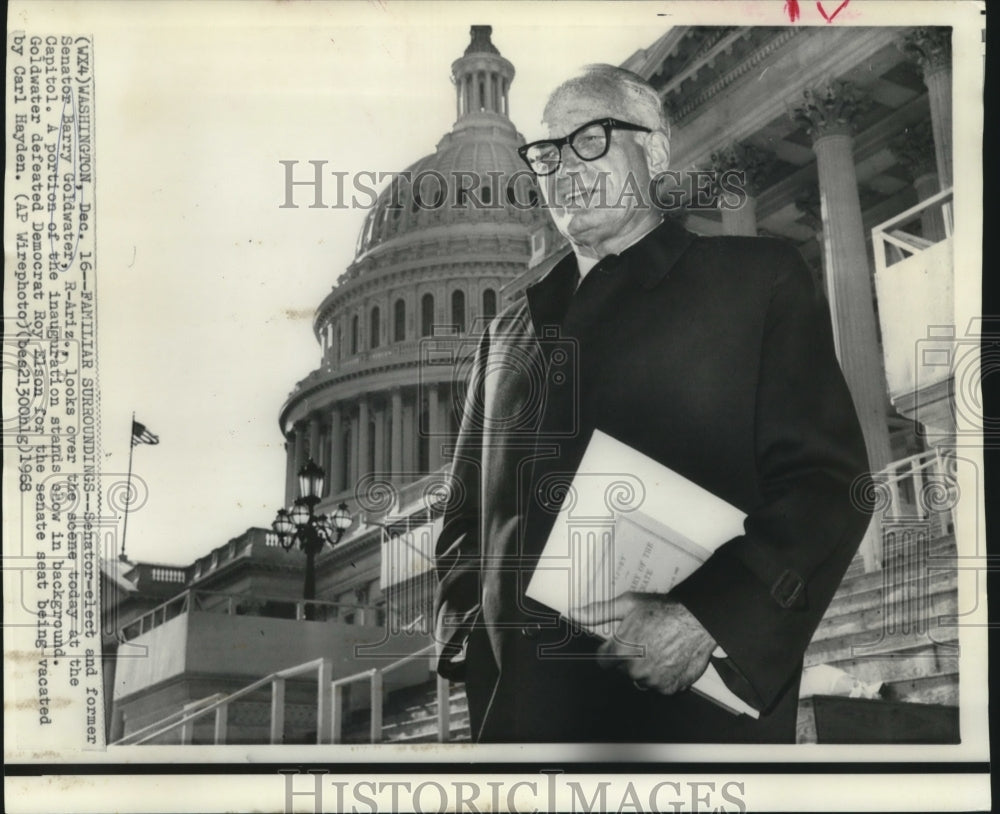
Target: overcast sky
(206,287)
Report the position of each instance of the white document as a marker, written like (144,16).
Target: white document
(643,531)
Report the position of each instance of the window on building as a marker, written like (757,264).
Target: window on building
(427,315)
(489,303)
(354,334)
(458,310)
(375,328)
(399,321)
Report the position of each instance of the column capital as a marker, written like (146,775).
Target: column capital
(754,161)
(832,109)
(914,149)
(929,47)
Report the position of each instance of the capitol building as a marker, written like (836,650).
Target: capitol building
(844,138)
(434,254)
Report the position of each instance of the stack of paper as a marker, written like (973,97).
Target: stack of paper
(631,524)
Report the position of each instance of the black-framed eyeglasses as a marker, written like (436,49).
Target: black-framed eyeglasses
(589,141)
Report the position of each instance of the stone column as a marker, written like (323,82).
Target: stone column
(352,455)
(364,428)
(931,49)
(336,471)
(409,439)
(396,433)
(446,419)
(434,429)
(290,470)
(914,148)
(324,454)
(301,451)
(828,115)
(314,430)
(745,166)
(378,428)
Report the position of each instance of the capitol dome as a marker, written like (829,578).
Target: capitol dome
(433,256)
(474,177)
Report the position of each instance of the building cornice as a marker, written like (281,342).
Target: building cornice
(753,99)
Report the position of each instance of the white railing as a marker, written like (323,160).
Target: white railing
(329,705)
(892,242)
(375,679)
(918,490)
(185,718)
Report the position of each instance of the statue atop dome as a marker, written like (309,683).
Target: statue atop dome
(481,43)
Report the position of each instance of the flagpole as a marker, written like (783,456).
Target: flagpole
(128,484)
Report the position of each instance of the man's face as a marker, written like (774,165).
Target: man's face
(594,201)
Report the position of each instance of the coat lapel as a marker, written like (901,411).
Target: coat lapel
(547,299)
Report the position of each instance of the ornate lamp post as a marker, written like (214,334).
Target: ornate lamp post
(310,530)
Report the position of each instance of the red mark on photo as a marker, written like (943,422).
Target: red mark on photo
(829,17)
(792,7)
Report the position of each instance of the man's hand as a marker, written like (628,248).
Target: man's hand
(675,648)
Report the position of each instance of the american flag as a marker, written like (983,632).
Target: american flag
(140,435)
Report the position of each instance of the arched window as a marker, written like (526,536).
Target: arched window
(458,310)
(374,328)
(354,334)
(399,321)
(489,303)
(427,315)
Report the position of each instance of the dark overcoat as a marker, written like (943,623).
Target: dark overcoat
(715,357)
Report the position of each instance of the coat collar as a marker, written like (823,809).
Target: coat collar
(646,262)
(651,258)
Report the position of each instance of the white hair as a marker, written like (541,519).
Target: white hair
(627,95)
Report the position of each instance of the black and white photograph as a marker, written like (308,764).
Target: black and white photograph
(477,406)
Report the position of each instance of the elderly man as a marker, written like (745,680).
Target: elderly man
(713,356)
